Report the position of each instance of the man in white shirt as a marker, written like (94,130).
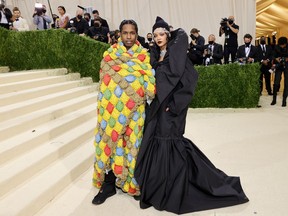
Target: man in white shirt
(19,23)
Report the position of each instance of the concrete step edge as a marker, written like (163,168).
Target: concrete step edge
(28,84)
(24,107)
(39,190)
(18,144)
(31,120)
(22,168)
(12,77)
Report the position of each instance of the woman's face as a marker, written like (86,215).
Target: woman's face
(128,35)
(160,38)
(60,11)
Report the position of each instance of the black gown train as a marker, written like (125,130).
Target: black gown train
(173,174)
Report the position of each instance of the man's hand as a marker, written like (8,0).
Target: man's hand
(250,59)
(193,42)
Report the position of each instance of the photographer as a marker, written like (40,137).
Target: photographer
(5,17)
(98,32)
(230,29)
(40,19)
(78,24)
(280,59)
(213,52)
(196,47)
(247,53)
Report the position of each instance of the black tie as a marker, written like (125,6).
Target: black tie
(17,19)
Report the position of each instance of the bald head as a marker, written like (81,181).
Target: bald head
(79,12)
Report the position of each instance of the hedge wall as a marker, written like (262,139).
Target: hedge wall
(51,49)
(222,86)
(230,85)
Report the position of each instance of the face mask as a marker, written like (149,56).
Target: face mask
(79,17)
(262,42)
(247,44)
(211,42)
(149,39)
(230,22)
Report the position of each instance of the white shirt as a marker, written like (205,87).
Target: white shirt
(21,24)
(3,18)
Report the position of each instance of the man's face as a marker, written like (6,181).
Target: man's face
(211,38)
(95,15)
(247,40)
(128,35)
(17,14)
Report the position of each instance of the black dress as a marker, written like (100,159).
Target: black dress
(173,174)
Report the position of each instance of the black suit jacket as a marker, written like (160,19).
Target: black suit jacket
(252,54)
(217,53)
(265,55)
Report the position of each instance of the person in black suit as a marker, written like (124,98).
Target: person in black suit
(247,53)
(5,16)
(87,17)
(196,47)
(280,62)
(265,56)
(96,15)
(213,52)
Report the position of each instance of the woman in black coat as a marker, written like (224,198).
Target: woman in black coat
(173,174)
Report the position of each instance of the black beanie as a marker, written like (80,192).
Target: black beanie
(160,23)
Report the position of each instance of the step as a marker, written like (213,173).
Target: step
(18,76)
(30,139)
(28,106)
(22,168)
(26,122)
(28,84)
(32,195)
(4,69)
(16,97)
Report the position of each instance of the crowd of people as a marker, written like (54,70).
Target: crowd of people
(272,59)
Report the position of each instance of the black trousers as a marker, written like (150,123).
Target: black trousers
(277,80)
(267,76)
(229,50)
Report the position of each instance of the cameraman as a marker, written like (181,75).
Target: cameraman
(196,47)
(98,32)
(40,19)
(280,59)
(213,52)
(230,29)
(247,53)
(78,24)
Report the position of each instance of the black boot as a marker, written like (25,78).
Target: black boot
(274,98)
(107,189)
(284,102)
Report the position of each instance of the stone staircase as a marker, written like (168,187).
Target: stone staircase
(47,119)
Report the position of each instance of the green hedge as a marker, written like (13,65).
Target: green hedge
(222,86)
(51,49)
(230,85)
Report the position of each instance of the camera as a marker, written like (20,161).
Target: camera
(281,63)
(99,37)
(39,9)
(72,29)
(112,34)
(223,22)
(192,37)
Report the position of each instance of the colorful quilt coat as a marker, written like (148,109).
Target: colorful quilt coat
(126,82)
